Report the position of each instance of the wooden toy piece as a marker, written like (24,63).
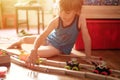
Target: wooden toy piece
(95,76)
(111,78)
(57,67)
(22,63)
(86,66)
(4,58)
(63,64)
(115,71)
(75,73)
(17,61)
(56,70)
(53,63)
(62,71)
(48,69)
(40,68)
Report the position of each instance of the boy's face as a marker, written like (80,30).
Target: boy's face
(67,16)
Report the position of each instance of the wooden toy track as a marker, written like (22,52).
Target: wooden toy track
(57,67)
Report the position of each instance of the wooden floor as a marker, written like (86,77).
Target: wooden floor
(110,56)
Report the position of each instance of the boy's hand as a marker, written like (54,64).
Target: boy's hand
(30,62)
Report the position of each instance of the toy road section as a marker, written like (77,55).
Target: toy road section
(57,67)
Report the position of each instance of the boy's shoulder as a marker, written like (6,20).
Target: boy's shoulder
(55,21)
(82,17)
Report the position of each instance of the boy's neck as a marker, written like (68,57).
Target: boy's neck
(65,24)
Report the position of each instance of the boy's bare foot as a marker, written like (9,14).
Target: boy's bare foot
(15,46)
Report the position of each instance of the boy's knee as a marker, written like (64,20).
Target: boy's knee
(23,39)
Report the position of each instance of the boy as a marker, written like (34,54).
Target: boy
(61,33)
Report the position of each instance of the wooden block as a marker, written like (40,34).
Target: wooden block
(62,64)
(75,73)
(54,63)
(85,66)
(95,76)
(51,63)
(5,61)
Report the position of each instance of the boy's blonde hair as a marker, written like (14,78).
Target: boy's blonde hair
(68,5)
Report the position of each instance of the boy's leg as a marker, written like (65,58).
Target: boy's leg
(26,39)
(47,51)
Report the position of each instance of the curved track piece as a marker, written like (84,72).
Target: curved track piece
(57,67)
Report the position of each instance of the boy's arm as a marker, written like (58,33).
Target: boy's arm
(45,33)
(39,40)
(85,36)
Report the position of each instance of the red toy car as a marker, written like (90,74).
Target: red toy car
(101,68)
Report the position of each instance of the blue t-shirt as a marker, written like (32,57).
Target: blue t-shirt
(63,38)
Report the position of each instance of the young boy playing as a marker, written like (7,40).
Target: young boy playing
(61,33)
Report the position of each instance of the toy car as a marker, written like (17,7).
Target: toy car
(103,71)
(101,68)
(72,65)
